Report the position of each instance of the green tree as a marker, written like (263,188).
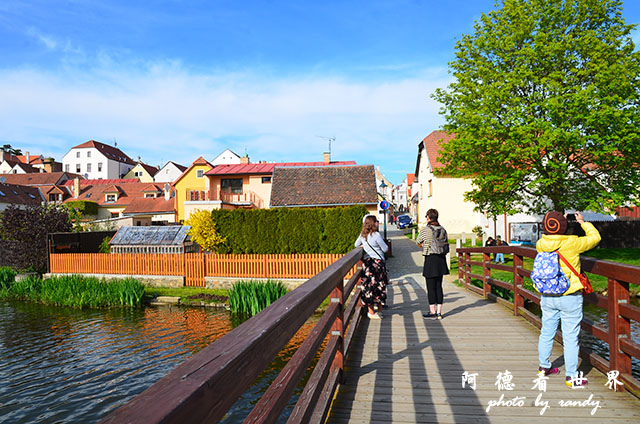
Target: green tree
(8,149)
(545,107)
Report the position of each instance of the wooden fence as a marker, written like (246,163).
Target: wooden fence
(622,348)
(194,266)
(208,384)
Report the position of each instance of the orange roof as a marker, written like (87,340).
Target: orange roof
(410,179)
(103,182)
(154,205)
(127,192)
(430,143)
(40,178)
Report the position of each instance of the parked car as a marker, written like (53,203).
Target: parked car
(404,221)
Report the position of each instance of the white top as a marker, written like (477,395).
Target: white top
(374,246)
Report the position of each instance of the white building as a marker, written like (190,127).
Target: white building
(226,158)
(95,160)
(169,172)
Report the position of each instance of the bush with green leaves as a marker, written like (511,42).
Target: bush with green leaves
(289,230)
(250,297)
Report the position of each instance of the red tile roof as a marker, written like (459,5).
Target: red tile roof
(40,178)
(103,182)
(410,179)
(127,192)
(323,186)
(266,168)
(33,159)
(148,206)
(433,149)
(19,195)
(110,152)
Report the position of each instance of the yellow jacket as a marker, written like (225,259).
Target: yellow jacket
(570,247)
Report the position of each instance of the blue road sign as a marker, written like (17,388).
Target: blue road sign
(384,205)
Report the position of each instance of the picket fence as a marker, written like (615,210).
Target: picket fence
(194,266)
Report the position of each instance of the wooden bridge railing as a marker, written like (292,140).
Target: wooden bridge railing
(205,387)
(620,312)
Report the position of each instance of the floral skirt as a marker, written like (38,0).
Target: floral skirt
(374,282)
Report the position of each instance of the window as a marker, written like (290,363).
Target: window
(66,168)
(233,185)
(195,195)
(149,196)
(137,173)
(430,189)
(78,168)
(200,173)
(266,180)
(88,167)
(99,166)
(77,154)
(88,153)
(115,214)
(54,197)
(2,194)
(110,198)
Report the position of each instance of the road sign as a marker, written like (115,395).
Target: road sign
(384,205)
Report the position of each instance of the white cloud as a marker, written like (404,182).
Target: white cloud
(163,112)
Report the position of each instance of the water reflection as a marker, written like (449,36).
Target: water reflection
(68,365)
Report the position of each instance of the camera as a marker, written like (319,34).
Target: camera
(571,217)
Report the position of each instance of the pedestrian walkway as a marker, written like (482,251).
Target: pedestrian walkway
(407,369)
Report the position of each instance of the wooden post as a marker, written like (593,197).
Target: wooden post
(486,274)
(337,330)
(619,326)
(467,269)
(460,267)
(518,282)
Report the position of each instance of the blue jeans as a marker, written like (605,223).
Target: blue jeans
(567,310)
(499,257)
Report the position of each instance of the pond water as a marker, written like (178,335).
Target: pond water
(61,365)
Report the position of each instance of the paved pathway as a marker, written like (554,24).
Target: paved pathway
(405,369)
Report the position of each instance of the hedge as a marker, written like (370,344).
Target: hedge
(84,207)
(289,230)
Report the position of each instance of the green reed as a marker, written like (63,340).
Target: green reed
(77,291)
(7,277)
(250,297)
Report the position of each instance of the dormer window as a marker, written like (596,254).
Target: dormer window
(149,195)
(111,198)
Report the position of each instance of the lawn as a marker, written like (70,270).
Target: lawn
(599,283)
(189,295)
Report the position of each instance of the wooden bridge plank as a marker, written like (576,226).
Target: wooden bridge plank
(405,368)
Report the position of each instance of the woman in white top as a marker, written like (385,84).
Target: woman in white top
(374,280)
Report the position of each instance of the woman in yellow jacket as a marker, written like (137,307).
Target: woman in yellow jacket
(566,307)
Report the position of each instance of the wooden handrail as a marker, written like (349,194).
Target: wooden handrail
(204,387)
(620,312)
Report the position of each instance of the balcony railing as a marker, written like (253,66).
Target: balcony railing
(226,196)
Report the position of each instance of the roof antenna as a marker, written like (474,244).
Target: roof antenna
(329,139)
(115,143)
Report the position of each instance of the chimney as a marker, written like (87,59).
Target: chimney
(76,188)
(244,159)
(327,157)
(48,164)
(167,192)
(27,155)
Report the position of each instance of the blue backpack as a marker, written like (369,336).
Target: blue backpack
(547,275)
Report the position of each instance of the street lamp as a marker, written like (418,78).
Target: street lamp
(382,187)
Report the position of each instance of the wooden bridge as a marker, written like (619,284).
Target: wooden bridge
(476,365)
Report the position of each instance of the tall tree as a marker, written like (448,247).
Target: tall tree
(545,107)
(8,149)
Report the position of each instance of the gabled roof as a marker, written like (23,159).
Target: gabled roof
(323,186)
(103,182)
(110,152)
(40,178)
(199,161)
(430,144)
(150,187)
(26,168)
(128,191)
(266,168)
(182,168)
(151,170)
(19,195)
(33,159)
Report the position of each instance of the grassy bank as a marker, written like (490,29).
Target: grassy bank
(599,283)
(190,295)
(75,291)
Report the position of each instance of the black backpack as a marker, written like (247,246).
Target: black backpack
(440,242)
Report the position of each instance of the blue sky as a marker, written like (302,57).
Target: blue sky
(174,80)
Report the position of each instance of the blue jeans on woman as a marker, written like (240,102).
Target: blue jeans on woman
(568,310)
(500,257)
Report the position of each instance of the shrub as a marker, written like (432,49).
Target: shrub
(203,230)
(250,297)
(104,245)
(289,230)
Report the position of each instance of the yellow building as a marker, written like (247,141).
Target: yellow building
(142,172)
(191,186)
